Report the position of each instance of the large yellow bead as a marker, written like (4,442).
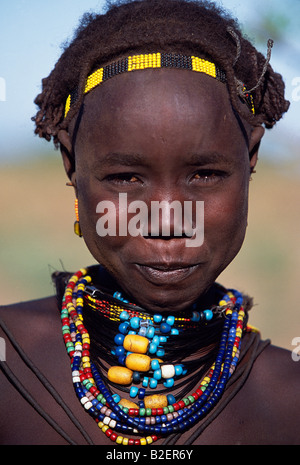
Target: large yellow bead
(136,343)
(156,401)
(138,362)
(120,375)
(128,403)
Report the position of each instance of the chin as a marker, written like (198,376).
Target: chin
(154,294)
(165,304)
(159,299)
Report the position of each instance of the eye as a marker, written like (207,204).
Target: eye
(208,176)
(122,178)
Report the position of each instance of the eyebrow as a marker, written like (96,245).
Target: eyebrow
(124,159)
(134,159)
(207,158)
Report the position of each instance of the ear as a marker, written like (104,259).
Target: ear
(67,155)
(254,143)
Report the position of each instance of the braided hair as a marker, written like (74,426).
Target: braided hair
(182,26)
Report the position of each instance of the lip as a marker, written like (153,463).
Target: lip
(158,273)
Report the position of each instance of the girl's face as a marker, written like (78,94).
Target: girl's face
(163,135)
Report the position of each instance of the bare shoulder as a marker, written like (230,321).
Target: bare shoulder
(266,410)
(279,371)
(36,307)
(32,330)
(32,327)
(31,321)
(279,364)
(272,393)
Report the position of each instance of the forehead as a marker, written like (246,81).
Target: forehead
(132,90)
(159,100)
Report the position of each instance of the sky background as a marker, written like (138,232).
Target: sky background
(32,33)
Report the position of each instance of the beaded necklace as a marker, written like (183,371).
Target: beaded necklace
(138,353)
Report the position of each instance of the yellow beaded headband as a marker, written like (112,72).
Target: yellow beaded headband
(153,60)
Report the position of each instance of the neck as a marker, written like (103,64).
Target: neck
(104,282)
(188,342)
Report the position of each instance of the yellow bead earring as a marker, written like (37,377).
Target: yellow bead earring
(77,228)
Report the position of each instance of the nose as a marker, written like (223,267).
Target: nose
(165,219)
(170,215)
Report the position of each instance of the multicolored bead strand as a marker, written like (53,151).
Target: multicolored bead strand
(117,421)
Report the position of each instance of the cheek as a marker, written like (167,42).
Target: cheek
(104,224)
(226,219)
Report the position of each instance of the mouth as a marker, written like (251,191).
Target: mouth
(157,273)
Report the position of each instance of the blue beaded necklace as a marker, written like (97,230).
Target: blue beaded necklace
(156,415)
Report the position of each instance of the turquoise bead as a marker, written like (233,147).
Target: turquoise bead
(153,383)
(150,332)
(169,383)
(157,374)
(124,315)
(155,364)
(208,314)
(145,381)
(155,340)
(170,320)
(116,398)
(160,352)
(133,391)
(157,318)
(152,348)
(135,322)
(174,331)
(178,370)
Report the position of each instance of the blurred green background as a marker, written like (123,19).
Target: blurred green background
(37,209)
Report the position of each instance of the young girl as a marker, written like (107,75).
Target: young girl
(158,108)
